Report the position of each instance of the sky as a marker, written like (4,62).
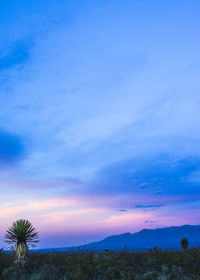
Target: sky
(99,117)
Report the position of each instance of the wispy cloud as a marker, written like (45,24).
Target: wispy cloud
(146,206)
(149,222)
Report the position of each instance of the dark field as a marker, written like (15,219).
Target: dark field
(162,265)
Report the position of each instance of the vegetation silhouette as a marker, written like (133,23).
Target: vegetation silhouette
(90,265)
(165,265)
(19,237)
(184,243)
(155,248)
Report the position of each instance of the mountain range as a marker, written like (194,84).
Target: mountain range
(164,238)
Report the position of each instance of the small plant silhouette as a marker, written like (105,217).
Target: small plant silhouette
(155,248)
(184,243)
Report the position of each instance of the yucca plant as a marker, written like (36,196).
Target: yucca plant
(19,238)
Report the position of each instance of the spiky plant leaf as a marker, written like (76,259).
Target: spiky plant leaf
(21,231)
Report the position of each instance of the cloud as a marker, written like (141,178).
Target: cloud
(89,105)
(16,54)
(12,148)
(148,206)
(149,222)
(162,174)
(126,219)
(194,177)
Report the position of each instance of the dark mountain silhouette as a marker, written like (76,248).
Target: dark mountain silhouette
(164,238)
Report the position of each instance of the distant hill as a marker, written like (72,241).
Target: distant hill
(164,238)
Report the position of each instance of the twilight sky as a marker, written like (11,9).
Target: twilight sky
(99,116)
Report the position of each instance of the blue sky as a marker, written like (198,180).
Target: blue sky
(99,116)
